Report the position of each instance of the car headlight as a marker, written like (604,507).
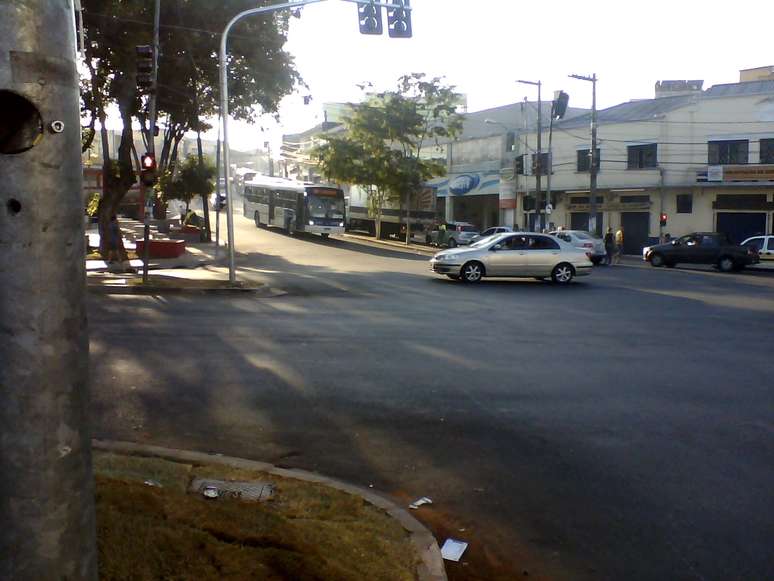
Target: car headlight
(311,222)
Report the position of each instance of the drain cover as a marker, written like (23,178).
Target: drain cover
(251,491)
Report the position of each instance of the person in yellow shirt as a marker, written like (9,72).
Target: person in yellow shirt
(619,242)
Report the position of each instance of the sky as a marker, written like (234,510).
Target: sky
(484,46)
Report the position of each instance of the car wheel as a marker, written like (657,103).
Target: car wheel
(726,264)
(656,260)
(257,219)
(452,243)
(324,234)
(472,272)
(453,276)
(562,273)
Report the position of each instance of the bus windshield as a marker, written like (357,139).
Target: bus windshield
(326,207)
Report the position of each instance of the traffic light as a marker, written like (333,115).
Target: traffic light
(144,66)
(559,106)
(370,18)
(399,19)
(148,169)
(518,165)
(662,219)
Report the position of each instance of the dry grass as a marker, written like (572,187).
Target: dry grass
(309,532)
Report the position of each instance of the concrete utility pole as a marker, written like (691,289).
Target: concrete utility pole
(539,222)
(47,523)
(593,161)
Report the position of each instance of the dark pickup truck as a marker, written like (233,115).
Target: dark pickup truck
(702,248)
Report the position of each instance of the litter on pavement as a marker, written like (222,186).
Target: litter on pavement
(452,549)
(210,492)
(419,502)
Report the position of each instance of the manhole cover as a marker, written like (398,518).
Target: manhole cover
(250,491)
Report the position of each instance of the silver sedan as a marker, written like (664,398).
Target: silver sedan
(514,254)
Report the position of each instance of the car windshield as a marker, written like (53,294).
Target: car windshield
(484,241)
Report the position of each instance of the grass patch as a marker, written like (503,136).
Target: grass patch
(308,532)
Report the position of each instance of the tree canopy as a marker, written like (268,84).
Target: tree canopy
(260,74)
(385,146)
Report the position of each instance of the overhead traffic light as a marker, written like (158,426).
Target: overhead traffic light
(370,17)
(144,66)
(399,19)
(148,169)
(662,220)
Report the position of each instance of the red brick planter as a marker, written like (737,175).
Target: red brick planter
(162,248)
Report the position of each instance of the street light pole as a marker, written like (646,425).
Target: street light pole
(222,60)
(539,165)
(593,161)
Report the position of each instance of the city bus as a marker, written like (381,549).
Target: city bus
(294,206)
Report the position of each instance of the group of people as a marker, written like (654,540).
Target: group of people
(614,245)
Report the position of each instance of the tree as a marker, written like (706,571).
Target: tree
(190,179)
(386,141)
(260,74)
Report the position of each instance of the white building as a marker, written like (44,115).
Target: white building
(703,158)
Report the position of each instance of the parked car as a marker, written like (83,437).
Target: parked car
(764,245)
(593,245)
(492,231)
(702,248)
(452,234)
(514,254)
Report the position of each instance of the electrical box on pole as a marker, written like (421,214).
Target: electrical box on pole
(399,19)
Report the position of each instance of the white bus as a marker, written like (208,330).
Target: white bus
(294,206)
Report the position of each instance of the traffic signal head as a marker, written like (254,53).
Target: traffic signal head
(399,19)
(559,107)
(370,18)
(148,169)
(144,66)
(662,219)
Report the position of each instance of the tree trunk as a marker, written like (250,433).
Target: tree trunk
(205,205)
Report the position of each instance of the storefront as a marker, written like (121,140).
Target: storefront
(470,197)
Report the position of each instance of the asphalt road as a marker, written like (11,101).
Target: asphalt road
(618,428)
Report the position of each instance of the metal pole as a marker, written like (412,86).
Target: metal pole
(152,137)
(217,196)
(550,162)
(593,159)
(224,114)
(46,489)
(538,165)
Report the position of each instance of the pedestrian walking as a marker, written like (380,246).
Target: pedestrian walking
(619,244)
(609,246)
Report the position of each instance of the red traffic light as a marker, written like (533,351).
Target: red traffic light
(148,162)
(663,219)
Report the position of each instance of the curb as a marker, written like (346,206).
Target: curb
(416,250)
(263,291)
(431,566)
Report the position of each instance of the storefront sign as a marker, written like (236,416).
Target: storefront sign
(507,203)
(747,173)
